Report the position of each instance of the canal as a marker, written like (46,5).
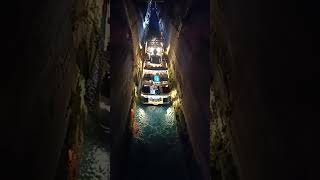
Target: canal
(158,147)
(95,153)
(155,150)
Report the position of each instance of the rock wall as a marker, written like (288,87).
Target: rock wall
(50,50)
(135,27)
(261,87)
(189,56)
(222,159)
(121,85)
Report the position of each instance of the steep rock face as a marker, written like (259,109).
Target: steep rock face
(135,24)
(257,87)
(121,85)
(222,159)
(86,25)
(189,49)
(46,60)
(68,167)
(39,89)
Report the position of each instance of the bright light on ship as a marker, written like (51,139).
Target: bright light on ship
(156,78)
(147,71)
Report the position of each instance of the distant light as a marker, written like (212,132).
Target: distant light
(144,25)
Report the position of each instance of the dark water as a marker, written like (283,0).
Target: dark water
(156,152)
(95,155)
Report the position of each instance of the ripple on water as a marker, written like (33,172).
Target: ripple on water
(156,123)
(94,161)
(157,152)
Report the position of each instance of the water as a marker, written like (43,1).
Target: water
(95,155)
(155,151)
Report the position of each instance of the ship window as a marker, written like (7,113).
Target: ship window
(145,89)
(165,90)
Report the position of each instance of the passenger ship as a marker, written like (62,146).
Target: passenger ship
(155,88)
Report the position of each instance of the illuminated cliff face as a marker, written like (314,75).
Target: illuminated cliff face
(189,58)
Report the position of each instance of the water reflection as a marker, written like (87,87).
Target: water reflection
(156,152)
(95,155)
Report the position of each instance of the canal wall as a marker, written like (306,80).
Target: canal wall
(121,86)
(189,58)
(261,90)
(52,48)
(223,159)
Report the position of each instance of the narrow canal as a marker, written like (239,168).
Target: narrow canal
(95,153)
(155,151)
